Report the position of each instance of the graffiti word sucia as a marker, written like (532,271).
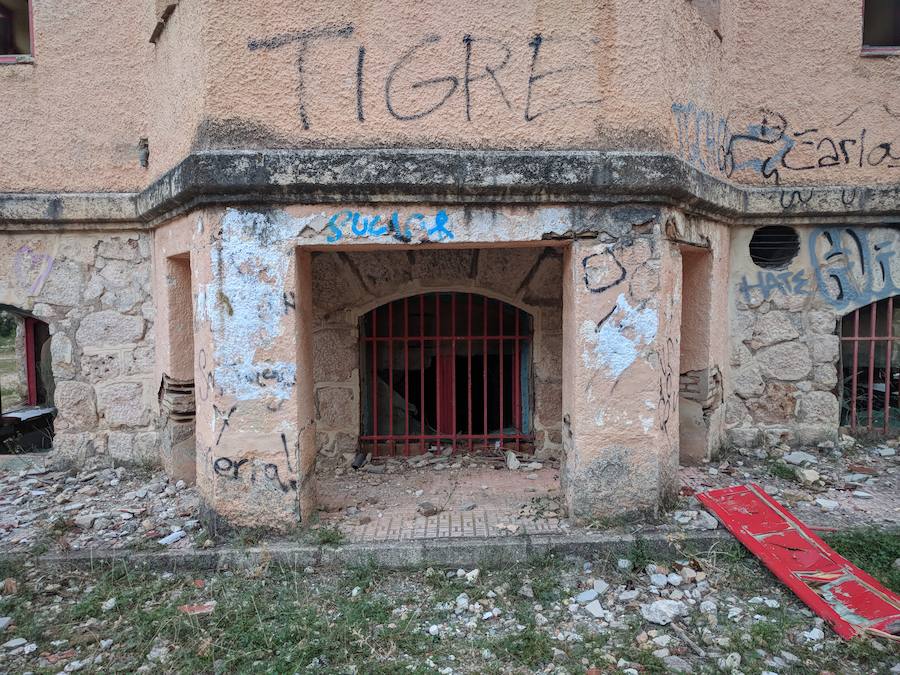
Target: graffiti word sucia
(416,226)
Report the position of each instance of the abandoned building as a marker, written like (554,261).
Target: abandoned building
(246,239)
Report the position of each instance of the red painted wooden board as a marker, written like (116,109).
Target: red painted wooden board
(851,601)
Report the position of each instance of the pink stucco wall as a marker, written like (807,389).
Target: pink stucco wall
(622,74)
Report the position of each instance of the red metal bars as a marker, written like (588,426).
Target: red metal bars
(870,384)
(445,347)
(31,358)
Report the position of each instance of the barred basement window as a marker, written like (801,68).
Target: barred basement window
(774,246)
(445,370)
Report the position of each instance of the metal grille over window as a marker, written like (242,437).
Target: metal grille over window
(870,366)
(774,246)
(445,370)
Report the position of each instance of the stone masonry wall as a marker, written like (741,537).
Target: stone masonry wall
(93,289)
(346,285)
(785,384)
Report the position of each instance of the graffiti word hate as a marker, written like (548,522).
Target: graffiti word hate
(347,223)
(768,283)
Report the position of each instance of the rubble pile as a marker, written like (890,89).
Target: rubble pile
(96,507)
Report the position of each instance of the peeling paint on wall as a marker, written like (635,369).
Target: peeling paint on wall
(249,268)
(615,341)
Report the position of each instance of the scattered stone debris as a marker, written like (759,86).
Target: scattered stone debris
(96,507)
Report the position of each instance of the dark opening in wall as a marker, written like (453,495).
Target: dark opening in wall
(15,28)
(881,23)
(774,246)
(26,383)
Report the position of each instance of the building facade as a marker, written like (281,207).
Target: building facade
(264,237)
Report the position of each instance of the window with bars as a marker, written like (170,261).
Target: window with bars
(870,368)
(445,369)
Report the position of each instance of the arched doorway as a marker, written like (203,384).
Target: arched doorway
(445,369)
(870,368)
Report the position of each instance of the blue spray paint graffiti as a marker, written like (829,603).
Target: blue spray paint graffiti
(765,141)
(347,222)
(853,270)
(769,283)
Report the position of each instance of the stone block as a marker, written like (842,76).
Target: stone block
(108,327)
(122,405)
(548,360)
(748,383)
(335,408)
(821,322)
(72,449)
(139,361)
(776,405)
(825,376)
(100,367)
(65,283)
(825,348)
(120,248)
(818,407)
(62,355)
(548,402)
(742,437)
(335,354)
(785,361)
(75,403)
(771,328)
(544,287)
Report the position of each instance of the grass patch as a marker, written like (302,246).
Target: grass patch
(783,471)
(329,536)
(872,550)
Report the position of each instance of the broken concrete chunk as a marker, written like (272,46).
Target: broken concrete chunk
(827,504)
(512,462)
(807,476)
(177,535)
(595,609)
(800,458)
(663,612)
(428,509)
(586,596)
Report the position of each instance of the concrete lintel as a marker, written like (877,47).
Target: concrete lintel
(446,553)
(452,176)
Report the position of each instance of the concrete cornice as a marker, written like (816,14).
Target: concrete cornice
(265,177)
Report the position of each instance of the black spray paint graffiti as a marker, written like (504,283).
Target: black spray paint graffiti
(602,271)
(206,382)
(764,141)
(668,394)
(225,417)
(290,301)
(227,467)
(481,64)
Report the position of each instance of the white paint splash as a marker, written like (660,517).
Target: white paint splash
(245,303)
(615,344)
